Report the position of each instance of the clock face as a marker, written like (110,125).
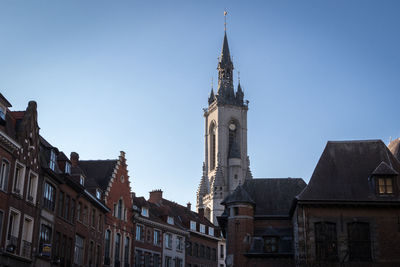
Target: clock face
(232,126)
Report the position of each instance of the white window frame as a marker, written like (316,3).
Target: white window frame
(18,182)
(210,231)
(139,237)
(67,167)
(3,111)
(202,228)
(193,225)
(29,236)
(15,229)
(145,212)
(32,187)
(170,220)
(4,177)
(179,243)
(167,243)
(157,242)
(52,163)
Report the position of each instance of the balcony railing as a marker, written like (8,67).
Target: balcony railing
(26,249)
(11,243)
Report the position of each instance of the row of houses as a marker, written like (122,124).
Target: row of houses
(63,211)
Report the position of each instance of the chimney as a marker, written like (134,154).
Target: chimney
(156,196)
(189,206)
(200,211)
(74,158)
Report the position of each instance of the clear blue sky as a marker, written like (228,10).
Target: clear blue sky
(135,75)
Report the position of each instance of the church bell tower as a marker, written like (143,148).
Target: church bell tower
(226,163)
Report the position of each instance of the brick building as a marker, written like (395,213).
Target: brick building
(19,174)
(108,180)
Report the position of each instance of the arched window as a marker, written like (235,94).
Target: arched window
(107,248)
(117,248)
(126,250)
(233,145)
(212,146)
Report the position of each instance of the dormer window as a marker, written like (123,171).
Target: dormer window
(202,228)
(2,112)
(82,180)
(385,185)
(67,168)
(211,231)
(52,160)
(98,193)
(145,212)
(193,225)
(170,220)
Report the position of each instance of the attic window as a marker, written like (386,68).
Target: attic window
(211,231)
(82,180)
(170,220)
(145,212)
(202,228)
(98,193)
(2,113)
(385,185)
(67,168)
(193,225)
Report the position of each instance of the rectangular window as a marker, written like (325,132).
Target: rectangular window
(49,196)
(170,220)
(202,228)
(385,185)
(4,172)
(117,249)
(168,261)
(13,228)
(82,180)
(326,241)
(156,260)
(193,225)
(214,254)
(27,231)
(168,241)
(139,233)
(107,245)
(19,178)
(79,211)
(61,204)
(45,241)
(52,164)
(2,113)
(73,210)
(67,168)
(196,250)
(32,187)
(157,239)
(79,248)
(93,220)
(126,250)
(98,194)
(66,211)
(138,258)
(178,262)
(145,212)
(208,253)
(189,248)
(201,251)
(211,231)
(221,251)
(271,244)
(179,243)
(359,241)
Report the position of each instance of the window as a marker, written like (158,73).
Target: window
(168,240)
(52,160)
(221,251)
(126,250)
(79,211)
(196,250)
(168,261)
(156,260)
(139,232)
(49,196)
(214,254)
(85,215)
(119,212)
(67,167)
(202,228)
(66,212)
(189,248)
(157,239)
(201,251)
(107,244)
(179,243)
(45,240)
(91,252)
(148,235)
(122,178)
(79,241)
(193,225)
(19,176)
(326,241)
(82,180)
(117,248)
(170,220)
(5,169)
(98,193)
(2,113)
(211,231)
(73,210)
(208,253)
(138,258)
(212,147)
(61,204)
(145,212)
(13,230)
(27,230)
(178,262)
(32,187)
(92,223)
(385,185)
(359,241)
(271,244)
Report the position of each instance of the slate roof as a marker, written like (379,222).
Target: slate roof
(271,196)
(344,172)
(98,170)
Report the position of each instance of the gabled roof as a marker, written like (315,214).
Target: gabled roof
(98,170)
(240,195)
(345,169)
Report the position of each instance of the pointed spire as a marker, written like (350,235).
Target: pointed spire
(249,175)
(203,186)
(239,95)
(225,58)
(211,97)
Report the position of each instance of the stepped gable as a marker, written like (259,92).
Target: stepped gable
(98,170)
(345,170)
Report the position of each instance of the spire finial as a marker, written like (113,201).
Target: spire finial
(212,82)
(225,13)
(239,76)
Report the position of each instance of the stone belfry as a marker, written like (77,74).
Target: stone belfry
(226,162)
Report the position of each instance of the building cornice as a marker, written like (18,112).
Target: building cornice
(161,226)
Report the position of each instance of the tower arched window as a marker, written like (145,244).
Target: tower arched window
(233,145)
(213,151)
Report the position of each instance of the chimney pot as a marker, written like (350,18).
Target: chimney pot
(156,196)
(189,206)
(74,158)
